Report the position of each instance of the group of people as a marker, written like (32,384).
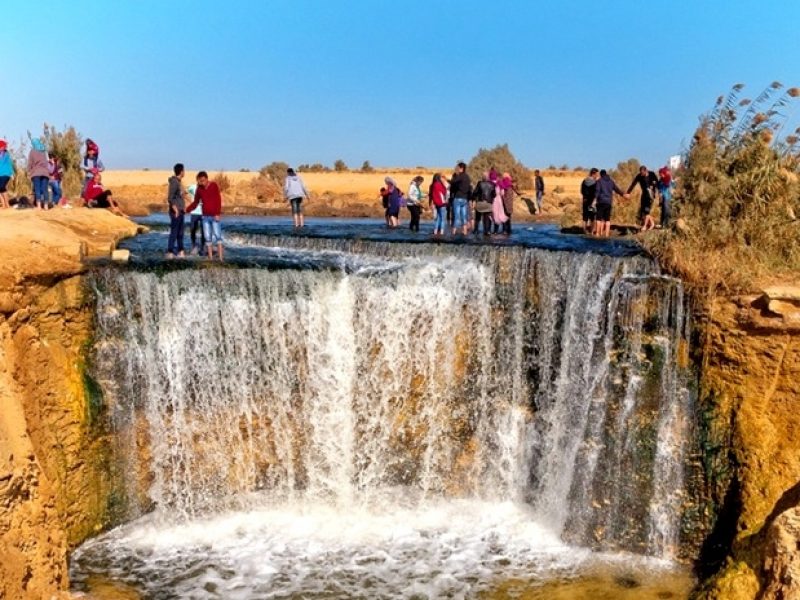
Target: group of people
(454,202)
(598,190)
(203,202)
(46,174)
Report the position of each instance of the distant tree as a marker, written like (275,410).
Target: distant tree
(501,158)
(339,166)
(276,171)
(244,170)
(564,167)
(366,167)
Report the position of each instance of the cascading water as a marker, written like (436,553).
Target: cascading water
(411,421)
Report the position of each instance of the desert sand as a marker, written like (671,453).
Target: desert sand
(343,194)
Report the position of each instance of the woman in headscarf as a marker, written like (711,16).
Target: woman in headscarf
(438,201)
(507,192)
(395,200)
(39,172)
(91,162)
(6,172)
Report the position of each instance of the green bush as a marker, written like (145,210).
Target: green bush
(339,166)
(67,146)
(366,167)
(627,211)
(738,195)
(276,171)
(501,158)
(223,181)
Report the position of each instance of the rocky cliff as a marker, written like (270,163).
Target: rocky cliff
(54,488)
(750,392)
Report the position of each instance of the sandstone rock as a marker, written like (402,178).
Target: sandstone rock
(788,293)
(788,310)
(121,255)
(782,558)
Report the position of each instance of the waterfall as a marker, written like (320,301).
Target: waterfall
(387,374)
(401,420)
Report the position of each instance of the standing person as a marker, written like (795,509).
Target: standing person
(648,181)
(91,161)
(483,196)
(438,201)
(6,172)
(176,198)
(98,197)
(509,192)
(499,216)
(56,174)
(460,192)
(665,185)
(605,188)
(39,172)
(395,198)
(195,222)
(294,190)
(208,196)
(588,193)
(538,184)
(385,202)
(414,201)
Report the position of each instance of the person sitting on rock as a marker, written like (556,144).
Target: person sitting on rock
(98,197)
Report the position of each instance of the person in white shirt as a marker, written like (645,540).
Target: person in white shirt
(294,190)
(414,201)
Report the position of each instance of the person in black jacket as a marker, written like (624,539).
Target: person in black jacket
(539,185)
(648,181)
(588,191)
(484,196)
(460,190)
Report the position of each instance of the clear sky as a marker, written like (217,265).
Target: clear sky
(227,85)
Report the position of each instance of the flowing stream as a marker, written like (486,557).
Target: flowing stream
(390,420)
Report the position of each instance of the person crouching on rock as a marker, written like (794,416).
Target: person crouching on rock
(97,197)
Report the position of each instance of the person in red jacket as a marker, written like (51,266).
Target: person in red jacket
(97,197)
(209,195)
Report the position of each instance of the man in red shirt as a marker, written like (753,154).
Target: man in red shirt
(209,195)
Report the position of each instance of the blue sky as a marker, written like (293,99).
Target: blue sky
(227,85)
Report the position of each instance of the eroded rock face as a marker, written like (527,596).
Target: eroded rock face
(782,558)
(750,388)
(54,482)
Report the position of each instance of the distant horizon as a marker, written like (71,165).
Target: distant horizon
(402,84)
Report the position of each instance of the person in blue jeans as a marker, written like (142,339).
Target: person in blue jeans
(437,198)
(460,190)
(39,172)
(56,174)
(665,185)
(176,198)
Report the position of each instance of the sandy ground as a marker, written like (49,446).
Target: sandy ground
(45,243)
